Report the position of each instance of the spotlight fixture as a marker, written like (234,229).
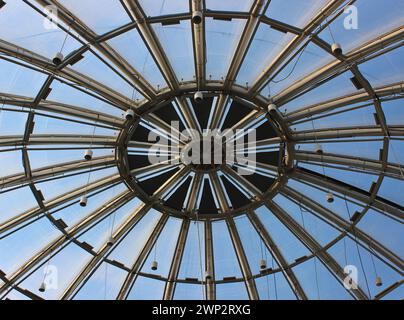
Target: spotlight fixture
(129,114)
(42,287)
(378,281)
(88,154)
(263,264)
(336,49)
(196,17)
(57,60)
(83,201)
(330,197)
(198,96)
(318,149)
(154,265)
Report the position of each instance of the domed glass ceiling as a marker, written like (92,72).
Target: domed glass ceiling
(318,215)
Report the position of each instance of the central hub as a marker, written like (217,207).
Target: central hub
(206,159)
(204,153)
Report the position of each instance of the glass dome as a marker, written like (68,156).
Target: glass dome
(315,213)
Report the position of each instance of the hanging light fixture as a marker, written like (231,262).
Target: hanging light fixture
(378,281)
(198,96)
(42,287)
(263,264)
(336,49)
(57,60)
(154,265)
(318,149)
(129,114)
(88,154)
(83,201)
(330,197)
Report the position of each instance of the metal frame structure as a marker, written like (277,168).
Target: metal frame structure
(179,92)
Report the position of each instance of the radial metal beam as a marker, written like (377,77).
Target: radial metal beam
(357,56)
(141,84)
(278,256)
(141,259)
(330,7)
(176,262)
(106,249)
(58,139)
(242,259)
(391,169)
(339,222)
(357,97)
(55,245)
(199,44)
(314,247)
(258,7)
(137,14)
(209,262)
(363,196)
(55,171)
(62,108)
(68,74)
(345,132)
(55,202)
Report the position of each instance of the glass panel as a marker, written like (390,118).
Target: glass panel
(274,287)
(193,259)
(396,151)
(294,12)
(384,229)
(266,45)
(312,275)
(23,26)
(185,291)
(392,111)
(226,5)
(140,58)
(12,123)
(163,7)
(318,229)
(147,289)
(104,284)
(221,40)
(164,248)
(391,189)
(231,291)
(287,243)
(10,163)
(16,201)
(129,249)
(27,242)
(374,18)
(100,15)
(225,258)
(177,43)
(58,273)
(367,274)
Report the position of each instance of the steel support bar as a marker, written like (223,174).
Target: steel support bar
(375,166)
(242,259)
(59,139)
(61,108)
(141,84)
(336,67)
(145,30)
(278,256)
(106,249)
(58,201)
(141,259)
(339,222)
(176,262)
(312,110)
(258,6)
(330,7)
(53,247)
(66,73)
(209,262)
(198,39)
(314,247)
(348,190)
(20,180)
